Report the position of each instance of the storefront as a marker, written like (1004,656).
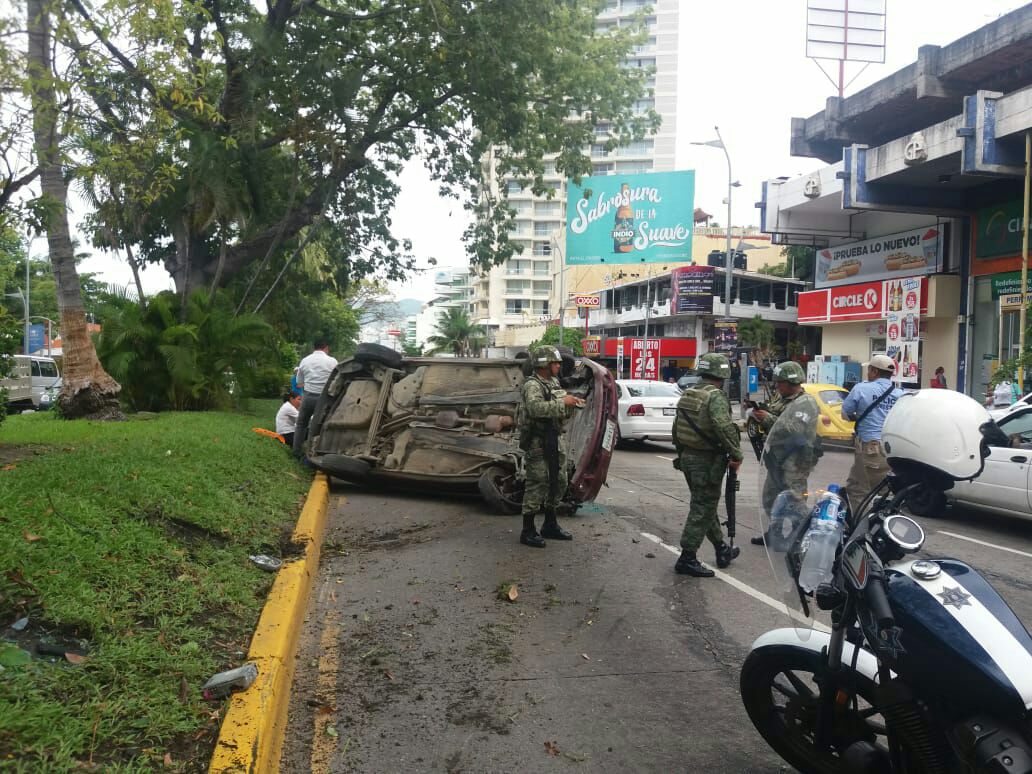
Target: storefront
(855,322)
(666,358)
(996,273)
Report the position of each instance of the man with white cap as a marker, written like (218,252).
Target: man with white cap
(867,405)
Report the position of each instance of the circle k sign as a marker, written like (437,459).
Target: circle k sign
(868,300)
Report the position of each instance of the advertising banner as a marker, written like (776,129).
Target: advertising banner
(645,218)
(999,230)
(647,366)
(866,301)
(619,358)
(591,346)
(692,288)
(906,254)
(36,338)
(903,327)
(725,335)
(1009,282)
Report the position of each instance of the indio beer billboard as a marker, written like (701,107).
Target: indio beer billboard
(630,218)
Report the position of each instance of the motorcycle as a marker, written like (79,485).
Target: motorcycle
(921,666)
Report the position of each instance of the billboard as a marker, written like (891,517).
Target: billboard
(905,254)
(36,338)
(692,289)
(903,327)
(645,218)
(645,363)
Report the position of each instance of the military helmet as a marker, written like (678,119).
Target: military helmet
(713,365)
(789,372)
(545,355)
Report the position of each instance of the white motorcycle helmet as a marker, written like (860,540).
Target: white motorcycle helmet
(937,434)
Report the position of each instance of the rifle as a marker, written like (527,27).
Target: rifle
(730,487)
(755,432)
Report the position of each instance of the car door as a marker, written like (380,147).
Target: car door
(1004,482)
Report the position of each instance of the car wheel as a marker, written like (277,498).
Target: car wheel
(927,503)
(343,466)
(500,490)
(377,353)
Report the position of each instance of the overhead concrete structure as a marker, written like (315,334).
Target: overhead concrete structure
(996,57)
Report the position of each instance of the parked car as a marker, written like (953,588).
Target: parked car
(832,426)
(452,425)
(1000,413)
(647,410)
(1003,485)
(34,383)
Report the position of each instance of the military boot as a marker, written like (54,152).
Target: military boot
(725,554)
(529,536)
(688,564)
(551,529)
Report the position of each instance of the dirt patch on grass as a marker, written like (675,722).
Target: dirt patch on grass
(180,530)
(11,454)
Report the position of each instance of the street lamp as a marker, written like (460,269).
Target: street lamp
(731,184)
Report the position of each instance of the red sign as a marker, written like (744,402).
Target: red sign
(590,302)
(846,303)
(670,347)
(646,367)
(591,346)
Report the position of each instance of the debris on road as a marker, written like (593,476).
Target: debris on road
(267,563)
(508,592)
(224,683)
(650,555)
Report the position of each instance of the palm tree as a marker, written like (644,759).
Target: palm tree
(456,334)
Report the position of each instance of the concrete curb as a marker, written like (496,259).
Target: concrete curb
(251,737)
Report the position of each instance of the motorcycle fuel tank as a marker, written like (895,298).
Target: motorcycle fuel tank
(962,642)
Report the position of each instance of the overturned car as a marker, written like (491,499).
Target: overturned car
(452,424)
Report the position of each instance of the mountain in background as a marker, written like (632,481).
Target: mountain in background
(408,306)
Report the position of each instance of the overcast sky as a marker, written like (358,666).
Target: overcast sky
(742,67)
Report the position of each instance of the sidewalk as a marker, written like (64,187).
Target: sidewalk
(410,660)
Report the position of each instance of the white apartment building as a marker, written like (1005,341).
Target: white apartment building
(452,288)
(525,289)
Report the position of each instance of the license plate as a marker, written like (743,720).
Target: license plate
(669,412)
(609,436)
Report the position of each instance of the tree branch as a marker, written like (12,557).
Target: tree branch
(12,185)
(348,17)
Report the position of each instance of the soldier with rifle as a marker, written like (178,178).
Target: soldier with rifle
(707,444)
(546,407)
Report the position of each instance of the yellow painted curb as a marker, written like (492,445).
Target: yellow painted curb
(251,737)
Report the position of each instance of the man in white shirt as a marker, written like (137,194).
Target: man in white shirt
(312,374)
(286,418)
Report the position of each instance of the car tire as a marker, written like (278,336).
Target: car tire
(377,353)
(342,466)
(491,485)
(927,503)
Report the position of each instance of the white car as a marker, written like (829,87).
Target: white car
(646,410)
(1000,413)
(1003,485)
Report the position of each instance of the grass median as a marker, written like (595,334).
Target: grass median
(126,546)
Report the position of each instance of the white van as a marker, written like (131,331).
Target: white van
(34,383)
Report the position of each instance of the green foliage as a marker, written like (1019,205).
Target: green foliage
(204,359)
(134,535)
(799,263)
(457,335)
(571,338)
(757,333)
(411,350)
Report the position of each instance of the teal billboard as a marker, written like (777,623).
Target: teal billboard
(644,218)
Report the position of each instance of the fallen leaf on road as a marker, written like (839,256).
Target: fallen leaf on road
(168,760)
(74,658)
(331,731)
(551,749)
(585,656)
(326,709)
(30,537)
(388,675)
(512,593)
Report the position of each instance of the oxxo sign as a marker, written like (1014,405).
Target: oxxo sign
(587,302)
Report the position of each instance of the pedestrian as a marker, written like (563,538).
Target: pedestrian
(939,380)
(312,374)
(286,418)
(867,405)
(708,443)
(546,407)
(791,450)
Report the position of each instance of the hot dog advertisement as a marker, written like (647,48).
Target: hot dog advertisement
(907,254)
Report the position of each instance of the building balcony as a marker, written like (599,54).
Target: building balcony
(635,314)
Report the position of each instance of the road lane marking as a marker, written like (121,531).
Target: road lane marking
(324,746)
(983,543)
(781,607)
(668,459)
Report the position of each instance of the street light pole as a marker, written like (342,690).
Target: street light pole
(26,302)
(729,263)
(562,289)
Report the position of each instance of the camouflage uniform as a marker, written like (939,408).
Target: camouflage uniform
(543,405)
(790,452)
(702,463)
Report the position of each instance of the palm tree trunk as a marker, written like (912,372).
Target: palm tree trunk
(88,391)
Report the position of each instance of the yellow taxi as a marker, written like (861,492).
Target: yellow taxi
(832,425)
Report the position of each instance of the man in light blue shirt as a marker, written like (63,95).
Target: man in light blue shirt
(868,404)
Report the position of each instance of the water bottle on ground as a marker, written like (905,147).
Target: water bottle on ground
(822,540)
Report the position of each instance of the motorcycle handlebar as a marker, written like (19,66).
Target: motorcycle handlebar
(878,602)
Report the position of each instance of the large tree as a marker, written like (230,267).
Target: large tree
(225,133)
(87,391)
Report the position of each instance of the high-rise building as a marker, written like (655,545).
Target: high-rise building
(525,288)
(452,290)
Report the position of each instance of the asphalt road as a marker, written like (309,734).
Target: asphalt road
(606,660)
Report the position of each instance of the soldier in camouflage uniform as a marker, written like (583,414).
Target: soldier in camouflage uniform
(766,418)
(791,450)
(704,452)
(546,407)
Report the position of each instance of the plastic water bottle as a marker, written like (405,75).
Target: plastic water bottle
(822,541)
